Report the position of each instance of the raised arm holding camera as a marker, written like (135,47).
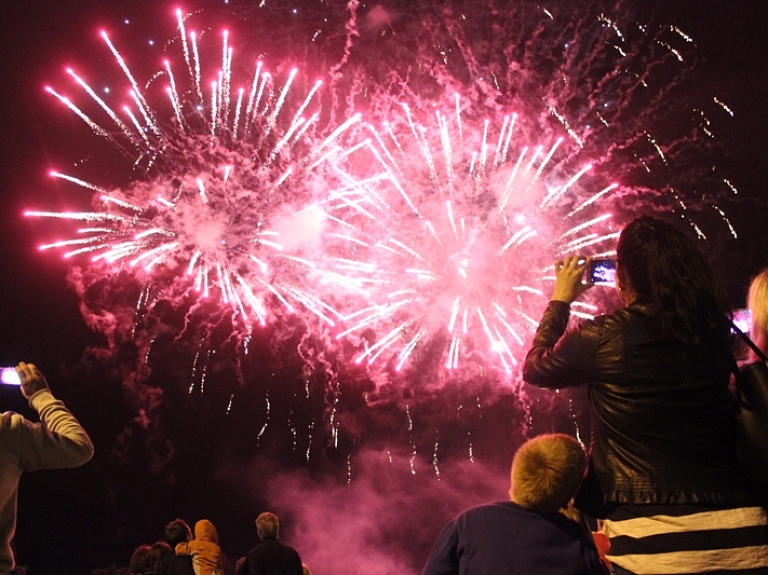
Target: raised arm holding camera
(58,441)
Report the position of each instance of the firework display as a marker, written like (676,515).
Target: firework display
(406,216)
(448,236)
(314,241)
(218,197)
(395,224)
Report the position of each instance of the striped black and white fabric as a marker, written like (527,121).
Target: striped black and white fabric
(687,539)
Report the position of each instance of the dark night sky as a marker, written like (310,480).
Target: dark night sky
(94,516)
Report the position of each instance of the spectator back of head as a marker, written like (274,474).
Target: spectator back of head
(177,531)
(138,562)
(156,556)
(267,525)
(547,472)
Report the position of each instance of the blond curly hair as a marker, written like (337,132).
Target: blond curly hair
(546,472)
(757,302)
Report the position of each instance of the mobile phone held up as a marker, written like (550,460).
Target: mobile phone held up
(602,272)
(743,319)
(9,376)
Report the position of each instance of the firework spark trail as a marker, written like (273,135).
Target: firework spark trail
(462,225)
(222,171)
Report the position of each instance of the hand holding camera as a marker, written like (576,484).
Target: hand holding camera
(570,272)
(31,379)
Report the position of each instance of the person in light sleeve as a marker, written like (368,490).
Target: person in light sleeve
(58,441)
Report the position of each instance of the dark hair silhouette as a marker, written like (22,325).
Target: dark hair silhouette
(177,531)
(138,563)
(156,555)
(666,269)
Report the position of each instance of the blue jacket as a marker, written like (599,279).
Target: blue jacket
(506,539)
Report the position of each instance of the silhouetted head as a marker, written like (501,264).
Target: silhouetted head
(156,555)
(138,562)
(177,531)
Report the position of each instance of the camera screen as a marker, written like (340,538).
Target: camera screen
(9,376)
(603,272)
(743,319)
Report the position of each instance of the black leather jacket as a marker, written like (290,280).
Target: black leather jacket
(664,422)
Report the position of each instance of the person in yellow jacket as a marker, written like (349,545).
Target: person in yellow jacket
(204,549)
(56,442)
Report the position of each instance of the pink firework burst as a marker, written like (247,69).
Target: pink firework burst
(460,227)
(228,187)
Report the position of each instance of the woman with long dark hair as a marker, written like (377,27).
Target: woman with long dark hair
(663,470)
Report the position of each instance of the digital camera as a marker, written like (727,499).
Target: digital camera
(743,319)
(602,272)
